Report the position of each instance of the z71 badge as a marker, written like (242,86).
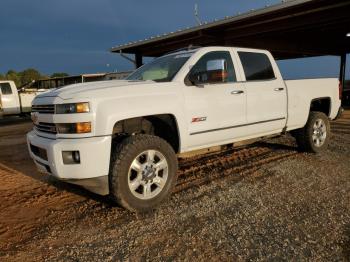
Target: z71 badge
(199,119)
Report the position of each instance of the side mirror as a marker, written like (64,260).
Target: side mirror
(195,78)
(216,72)
(217,76)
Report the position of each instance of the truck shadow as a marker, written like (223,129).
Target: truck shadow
(236,164)
(78,190)
(278,146)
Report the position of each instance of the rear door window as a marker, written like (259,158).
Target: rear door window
(256,66)
(5,88)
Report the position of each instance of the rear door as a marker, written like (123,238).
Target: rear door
(266,93)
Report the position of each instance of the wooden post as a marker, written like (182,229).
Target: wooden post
(138,60)
(342,75)
(342,68)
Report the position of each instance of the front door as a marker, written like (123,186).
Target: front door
(216,104)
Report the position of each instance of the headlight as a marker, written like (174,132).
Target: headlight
(73,108)
(74,128)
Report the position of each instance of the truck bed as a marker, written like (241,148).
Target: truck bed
(26,97)
(301,92)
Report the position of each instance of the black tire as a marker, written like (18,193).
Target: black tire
(122,158)
(304,136)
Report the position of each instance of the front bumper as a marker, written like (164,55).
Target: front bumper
(91,172)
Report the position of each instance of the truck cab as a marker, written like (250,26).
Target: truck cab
(9,99)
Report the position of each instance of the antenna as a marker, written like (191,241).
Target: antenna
(196,14)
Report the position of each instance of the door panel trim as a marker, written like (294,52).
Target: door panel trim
(230,127)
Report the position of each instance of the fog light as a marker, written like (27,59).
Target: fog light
(71,157)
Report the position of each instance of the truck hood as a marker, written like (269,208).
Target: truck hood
(91,89)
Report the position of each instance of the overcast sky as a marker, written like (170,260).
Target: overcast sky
(74,36)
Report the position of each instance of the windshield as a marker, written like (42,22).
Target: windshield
(162,69)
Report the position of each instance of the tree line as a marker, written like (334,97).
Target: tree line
(27,75)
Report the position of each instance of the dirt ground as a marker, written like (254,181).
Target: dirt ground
(264,202)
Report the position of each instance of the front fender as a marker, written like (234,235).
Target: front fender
(111,111)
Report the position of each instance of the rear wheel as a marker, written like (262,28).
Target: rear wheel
(143,172)
(314,137)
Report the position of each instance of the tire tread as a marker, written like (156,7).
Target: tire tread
(303,136)
(123,150)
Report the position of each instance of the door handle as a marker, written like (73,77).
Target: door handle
(237,92)
(279,89)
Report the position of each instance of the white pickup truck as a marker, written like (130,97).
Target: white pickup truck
(122,137)
(13,102)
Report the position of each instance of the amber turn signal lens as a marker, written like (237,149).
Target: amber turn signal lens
(84,127)
(74,128)
(82,107)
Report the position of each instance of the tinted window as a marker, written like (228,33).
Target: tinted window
(213,61)
(5,88)
(256,66)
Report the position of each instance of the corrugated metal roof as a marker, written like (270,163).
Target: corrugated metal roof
(207,25)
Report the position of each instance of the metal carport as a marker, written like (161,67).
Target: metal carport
(291,29)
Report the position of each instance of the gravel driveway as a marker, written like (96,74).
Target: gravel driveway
(264,202)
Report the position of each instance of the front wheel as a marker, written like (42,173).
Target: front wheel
(314,137)
(143,172)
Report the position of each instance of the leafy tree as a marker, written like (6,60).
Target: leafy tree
(14,76)
(59,75)
(29,75)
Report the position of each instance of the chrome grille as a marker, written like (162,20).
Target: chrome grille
(44,109)
(46,127)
